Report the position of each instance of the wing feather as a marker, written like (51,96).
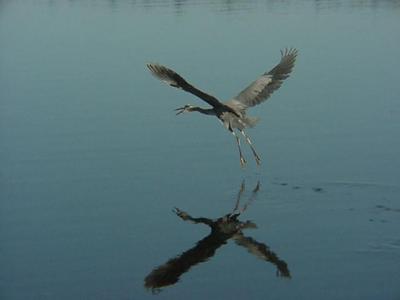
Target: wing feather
(263,252)
(175,80)
(260,90)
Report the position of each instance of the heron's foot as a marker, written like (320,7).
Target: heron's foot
(256,157)
(242,162)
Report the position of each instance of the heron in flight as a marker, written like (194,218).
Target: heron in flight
(232,113)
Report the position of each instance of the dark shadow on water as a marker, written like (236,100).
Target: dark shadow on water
(233,6)
(223,229)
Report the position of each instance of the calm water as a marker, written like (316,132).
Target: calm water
(94,160)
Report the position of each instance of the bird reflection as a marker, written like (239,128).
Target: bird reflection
(222,229)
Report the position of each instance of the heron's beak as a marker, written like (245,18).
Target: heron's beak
(248,225)
(180,110)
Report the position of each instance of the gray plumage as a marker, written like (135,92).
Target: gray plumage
(232,113)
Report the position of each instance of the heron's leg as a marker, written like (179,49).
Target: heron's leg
(252,197)
(257,158)
(239,196)
(242,160)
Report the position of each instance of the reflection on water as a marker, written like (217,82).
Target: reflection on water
(222,229)
(240,6)
(230,7)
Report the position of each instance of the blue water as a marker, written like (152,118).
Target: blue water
(94,160)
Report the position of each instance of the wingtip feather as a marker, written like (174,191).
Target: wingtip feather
(289,51)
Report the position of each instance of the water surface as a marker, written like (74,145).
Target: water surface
(94,160)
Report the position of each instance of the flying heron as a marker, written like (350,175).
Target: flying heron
(232,113)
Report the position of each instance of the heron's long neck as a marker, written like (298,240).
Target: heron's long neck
(205,111)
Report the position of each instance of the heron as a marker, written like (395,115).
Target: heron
(232,113)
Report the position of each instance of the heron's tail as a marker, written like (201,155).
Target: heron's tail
(251,121)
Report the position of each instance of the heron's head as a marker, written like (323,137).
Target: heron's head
(186,108)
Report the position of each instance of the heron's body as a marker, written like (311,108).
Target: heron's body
(232,113)
(229,120)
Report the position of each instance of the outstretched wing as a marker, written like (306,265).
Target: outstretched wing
(263,252)
(174,79)
(263,87)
